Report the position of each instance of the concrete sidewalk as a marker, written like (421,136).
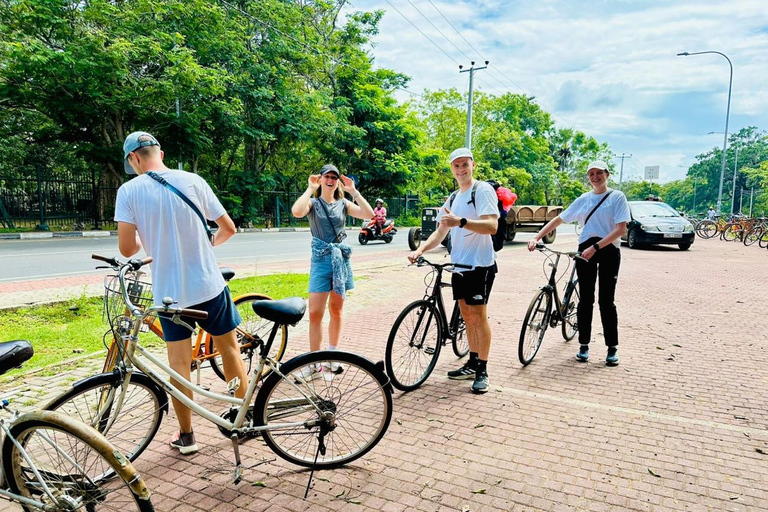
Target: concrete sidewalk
(681,424)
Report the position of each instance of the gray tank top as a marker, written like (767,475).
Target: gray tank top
(318,221)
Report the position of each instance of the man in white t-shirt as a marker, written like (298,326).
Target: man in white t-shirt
(471,224)
(152,216)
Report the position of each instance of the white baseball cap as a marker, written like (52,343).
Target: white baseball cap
(460,153)
(598,164)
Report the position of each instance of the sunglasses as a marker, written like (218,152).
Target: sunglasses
(331,176)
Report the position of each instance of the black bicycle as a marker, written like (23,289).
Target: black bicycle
(421,330)
(547,310)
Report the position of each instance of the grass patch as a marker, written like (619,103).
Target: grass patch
(66,330)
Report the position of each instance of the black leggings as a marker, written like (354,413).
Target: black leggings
(604,265)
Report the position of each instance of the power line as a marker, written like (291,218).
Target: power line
(440,31)
(422,33)
(454,29)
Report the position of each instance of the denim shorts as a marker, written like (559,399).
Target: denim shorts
(223,317)
(321,275)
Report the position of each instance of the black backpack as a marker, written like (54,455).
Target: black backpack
(501,229)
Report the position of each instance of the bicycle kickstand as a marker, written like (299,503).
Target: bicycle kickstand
(237,474)
(320,450)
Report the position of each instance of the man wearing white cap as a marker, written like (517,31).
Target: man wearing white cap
(172,230)
(471,225)
(603,214)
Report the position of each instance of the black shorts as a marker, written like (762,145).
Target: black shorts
(474,286)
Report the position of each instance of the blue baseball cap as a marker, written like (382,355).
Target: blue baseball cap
(135,141)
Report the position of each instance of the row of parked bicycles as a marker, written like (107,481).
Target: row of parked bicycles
(740,228)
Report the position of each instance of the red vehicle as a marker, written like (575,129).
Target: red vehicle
(370,231)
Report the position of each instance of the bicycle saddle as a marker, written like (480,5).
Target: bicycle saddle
(282,312)
(227,273)
(13,353)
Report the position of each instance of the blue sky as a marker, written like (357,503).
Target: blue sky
(608,68)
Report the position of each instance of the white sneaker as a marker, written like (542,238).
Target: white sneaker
(308,373)
(333,367)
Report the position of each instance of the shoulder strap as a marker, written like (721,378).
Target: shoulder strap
(184,198)
(596,207)
(471,198)
(337,238)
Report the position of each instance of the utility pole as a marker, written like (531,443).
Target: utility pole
(471,71)
(178,116)
(735,171)
(621,172)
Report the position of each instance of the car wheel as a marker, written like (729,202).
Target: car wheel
(550,237)
(632,239)
(685,246)
(414,238)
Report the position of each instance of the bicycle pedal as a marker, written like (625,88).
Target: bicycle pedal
(429,350)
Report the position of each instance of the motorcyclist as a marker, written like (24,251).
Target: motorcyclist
(380,215)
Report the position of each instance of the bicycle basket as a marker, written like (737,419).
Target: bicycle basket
(140,294)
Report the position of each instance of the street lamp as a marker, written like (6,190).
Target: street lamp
(727,114)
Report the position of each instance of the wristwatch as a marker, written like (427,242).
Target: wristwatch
(462,222)
(596,247)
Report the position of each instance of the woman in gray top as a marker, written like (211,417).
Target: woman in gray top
(330,271)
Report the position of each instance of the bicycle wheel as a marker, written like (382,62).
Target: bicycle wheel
(731,232)
(459,328)
(763,241)
(414,345)
(350,408)
(534,327)
(134,425)
(753,235)
(706,229)
(252,334)
(74,462)
(570,305)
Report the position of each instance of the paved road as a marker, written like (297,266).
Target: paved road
(680,425)
(24,260)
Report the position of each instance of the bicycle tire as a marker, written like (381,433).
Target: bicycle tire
(570,306)
(763,241)
(139,418)
(731,232)
(460,343)
(79,466)
(359,398)
(252,333)
(707,229)
(534,326)
(753,235)
(414,345)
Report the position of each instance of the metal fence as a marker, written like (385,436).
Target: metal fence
(61,201)
(55,201)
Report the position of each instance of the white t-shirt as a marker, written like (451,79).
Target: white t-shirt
(614,210)
(184,266)
(468,247)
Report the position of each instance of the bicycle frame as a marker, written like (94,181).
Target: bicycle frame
(551,288)
(436,297)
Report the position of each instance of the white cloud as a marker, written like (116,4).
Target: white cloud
(608,68)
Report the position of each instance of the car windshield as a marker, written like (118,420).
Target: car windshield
(650,209)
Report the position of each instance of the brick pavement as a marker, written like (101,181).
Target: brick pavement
(677,426)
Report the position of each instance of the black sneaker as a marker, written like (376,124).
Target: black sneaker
(185,443)
(481,383)
(466,372)
(612,359)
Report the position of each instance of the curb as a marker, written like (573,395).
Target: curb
(37,235)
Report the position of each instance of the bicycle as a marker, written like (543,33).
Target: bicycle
(349,412)
(546,309)
(422,329)
(250,333)
(52,462)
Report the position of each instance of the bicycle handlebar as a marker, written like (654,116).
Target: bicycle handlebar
(573,254)
(116,264)
(421,261)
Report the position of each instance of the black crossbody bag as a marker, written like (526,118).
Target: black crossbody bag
(184,198)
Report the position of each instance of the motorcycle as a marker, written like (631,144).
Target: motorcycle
(370,231)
